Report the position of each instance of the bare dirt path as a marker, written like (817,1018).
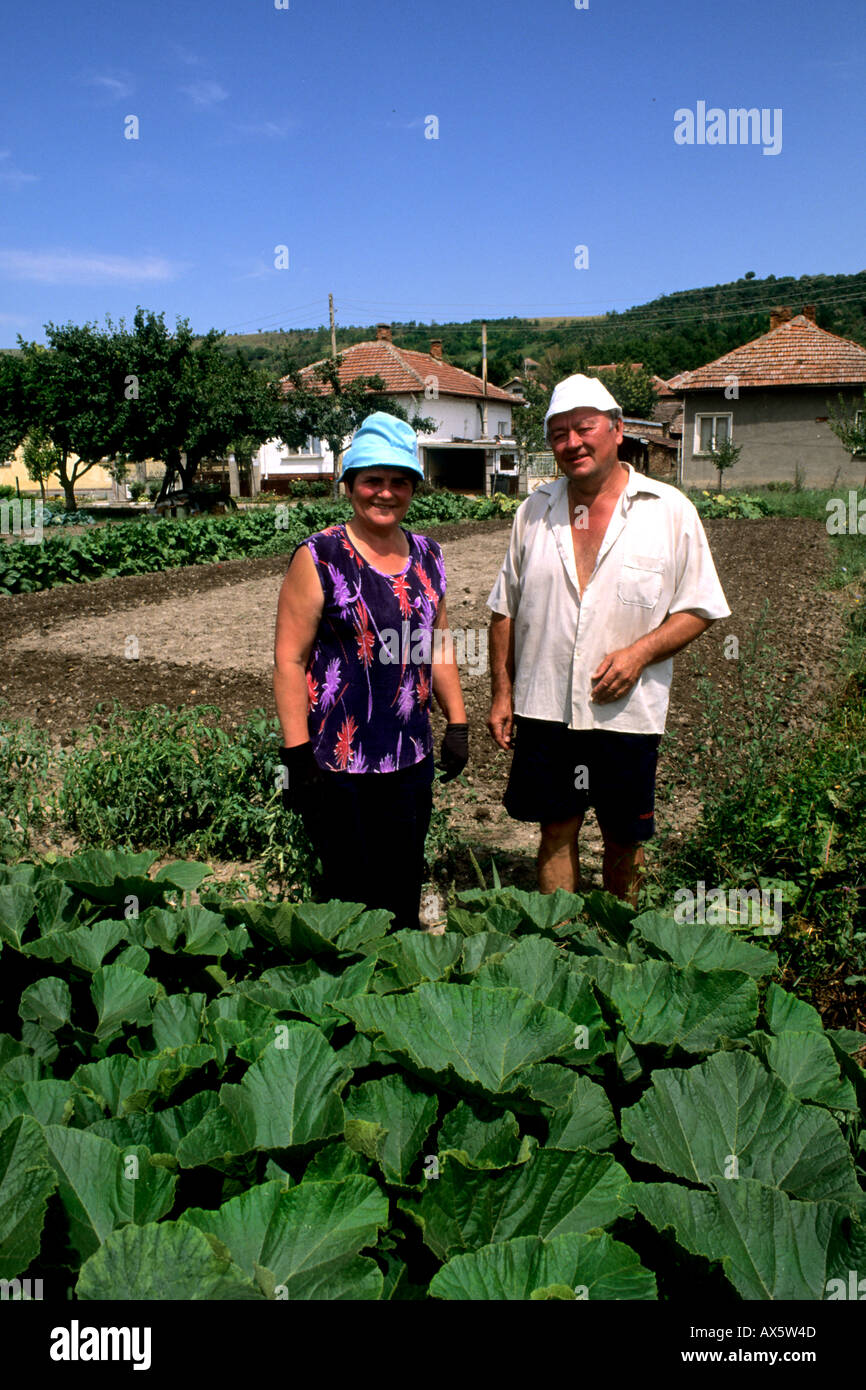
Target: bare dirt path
(204,636)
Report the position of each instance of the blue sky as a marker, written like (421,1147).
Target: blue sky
(305,127)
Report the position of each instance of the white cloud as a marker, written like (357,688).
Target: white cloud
(14,177)
(185,55)
(72,267)
(205,93)
(114,86)
(270,130)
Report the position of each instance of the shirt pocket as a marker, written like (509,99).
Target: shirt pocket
(640,581)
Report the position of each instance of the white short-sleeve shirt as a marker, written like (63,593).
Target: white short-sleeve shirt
(654,561)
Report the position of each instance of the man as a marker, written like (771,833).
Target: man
(608,574)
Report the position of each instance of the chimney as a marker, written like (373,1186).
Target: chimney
(809,313)
(383,332)
(779,316)
(436,348)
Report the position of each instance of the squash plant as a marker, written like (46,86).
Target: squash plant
(555,1099)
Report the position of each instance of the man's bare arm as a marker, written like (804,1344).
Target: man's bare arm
(620,670)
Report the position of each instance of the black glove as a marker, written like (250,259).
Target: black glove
(303,776)
(454,753)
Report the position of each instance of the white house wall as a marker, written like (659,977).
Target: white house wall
(456,417)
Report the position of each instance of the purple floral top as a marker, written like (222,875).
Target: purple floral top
(370,671)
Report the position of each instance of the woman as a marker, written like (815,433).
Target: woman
(358,651)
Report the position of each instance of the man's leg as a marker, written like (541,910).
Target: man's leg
(558,856)
(622,869)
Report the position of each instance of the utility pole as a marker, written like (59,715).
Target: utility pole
(484,380)
(333,329)
(338,458)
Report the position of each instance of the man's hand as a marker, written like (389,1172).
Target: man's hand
(617,673)
(501,720)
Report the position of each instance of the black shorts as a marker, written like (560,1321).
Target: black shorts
(557,773)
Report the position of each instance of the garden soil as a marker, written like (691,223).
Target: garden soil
(203,635)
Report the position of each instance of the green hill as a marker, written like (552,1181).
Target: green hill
(670,334)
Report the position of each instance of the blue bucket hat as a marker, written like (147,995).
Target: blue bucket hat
(383,441)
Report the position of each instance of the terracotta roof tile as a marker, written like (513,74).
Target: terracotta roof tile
(797,353)
(403,370)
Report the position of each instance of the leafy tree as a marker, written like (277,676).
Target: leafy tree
(189,400)
(13,414)
(528,419)
(632,390)
(724,455)
(72,392)
(42,458)
(845,425)
(331,409)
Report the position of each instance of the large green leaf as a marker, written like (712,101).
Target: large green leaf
(482,1143)
(121,1084)
(728,1118)
(195,931)
(555,1192)
(171,1260)
(27,1179)
(413,956)
(307,1238)
(538,967)
(585,1121)
(49,1102)
(770,1246)
(704,947)
(83,947)
(160,1131)
(17,908)
(593,1266)
(112,876)
(661,1004)
(308,989)
(388,1121)
(103,1187)
(485,1036)
(178,1019)
(312,929)
(47,1002)
(121,995)
(183,874)
(808,1066)
(290,1096)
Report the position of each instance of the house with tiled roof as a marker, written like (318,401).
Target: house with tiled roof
(773,397)
(471,443)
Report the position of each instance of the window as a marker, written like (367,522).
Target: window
(502,429)
(311,447)
(710,431)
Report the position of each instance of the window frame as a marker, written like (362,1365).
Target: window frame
(713,415)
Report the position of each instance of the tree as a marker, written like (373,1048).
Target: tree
(190,400)
(72,394)
(331,409)
(724,455)
(846,425)
(631,389)
(528,419)
(13,414)
(42,458)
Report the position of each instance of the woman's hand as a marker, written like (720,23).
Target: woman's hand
(302,776)
(454,753)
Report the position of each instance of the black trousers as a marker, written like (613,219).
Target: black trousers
(368,829)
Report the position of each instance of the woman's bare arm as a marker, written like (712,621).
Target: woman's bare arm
(299,612)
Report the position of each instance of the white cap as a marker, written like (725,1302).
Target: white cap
(577,392)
